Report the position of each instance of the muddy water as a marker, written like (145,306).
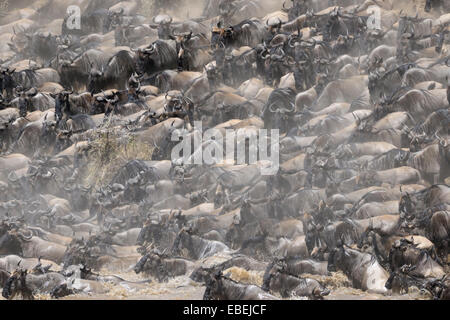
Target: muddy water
(183,288)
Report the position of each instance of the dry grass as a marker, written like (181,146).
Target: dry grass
(109,152)
(333,281)
(244,276)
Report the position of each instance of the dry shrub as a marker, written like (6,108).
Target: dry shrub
(109,152)
(244,276)
(333,281)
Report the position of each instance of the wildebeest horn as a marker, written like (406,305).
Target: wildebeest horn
(264,57)
(13,177)
(442,141)
(24,237)
(284,7)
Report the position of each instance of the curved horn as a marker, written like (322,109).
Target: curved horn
(267,56)
(24,237)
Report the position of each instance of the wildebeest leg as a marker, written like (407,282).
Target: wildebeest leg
(436,178)
(443,248)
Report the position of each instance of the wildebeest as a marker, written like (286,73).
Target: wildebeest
(363,269)
(278,279)
(219,287)
(20,282)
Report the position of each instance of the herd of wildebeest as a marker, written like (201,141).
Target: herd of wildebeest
(360,94)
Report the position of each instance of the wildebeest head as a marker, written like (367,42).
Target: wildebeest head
(336,259)
(443,146)
(11,241)
(140,265)
(439,288)
(406,205)
(397,282)
(181,39)
(401,158)
(298,8)
(274,26)
(183,238)
(213,75)
(226,8)
(43,44)
(201,274)
(153,263)
(174,101)
(214,287)
(418,141)
(115,18)
(16,284)
(62,290)
(279,110)
(164,23)
(7,81)
(3,104)
(150,232)
(155,57)
(277,265)
(222,36)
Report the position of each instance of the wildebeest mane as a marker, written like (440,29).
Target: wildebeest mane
(124,65)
